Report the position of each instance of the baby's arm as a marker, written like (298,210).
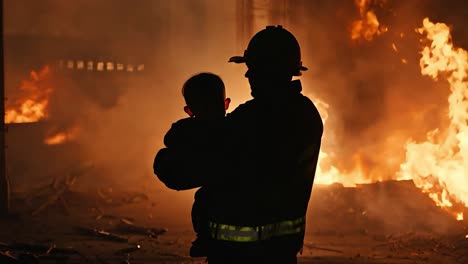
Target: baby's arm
(189,145)
(178,170)
(172,165)
(180,134)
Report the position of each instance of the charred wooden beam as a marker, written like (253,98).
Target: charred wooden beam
(4,185)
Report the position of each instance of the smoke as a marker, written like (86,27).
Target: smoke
(372,95)
(121,116)
(376,102)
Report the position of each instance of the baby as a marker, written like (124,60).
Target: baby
(206,103)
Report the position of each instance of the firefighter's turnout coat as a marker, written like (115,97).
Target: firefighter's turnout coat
(260,172)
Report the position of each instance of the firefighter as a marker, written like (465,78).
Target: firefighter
(265,165)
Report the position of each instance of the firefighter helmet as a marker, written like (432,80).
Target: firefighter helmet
(273,48)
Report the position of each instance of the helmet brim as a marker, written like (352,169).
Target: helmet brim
(242,59)
(238,59)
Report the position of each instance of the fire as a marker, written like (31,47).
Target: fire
(439,166)
(368,25)
(61,137)
(31,106)
(56,139)
(329,174)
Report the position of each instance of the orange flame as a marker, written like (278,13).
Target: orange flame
(32,104)
(368,25)
(329,174)
(56,139)
(62,137)
(440,166)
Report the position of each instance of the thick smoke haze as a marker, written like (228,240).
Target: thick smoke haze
(376,102)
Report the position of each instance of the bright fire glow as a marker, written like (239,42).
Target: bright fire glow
(31,106)
(439,166)
(368,25)
(459,216)
(329,174)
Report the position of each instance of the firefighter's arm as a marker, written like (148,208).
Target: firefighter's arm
(177,170)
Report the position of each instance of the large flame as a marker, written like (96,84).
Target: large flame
(31,104)
(439,166)
(368,25)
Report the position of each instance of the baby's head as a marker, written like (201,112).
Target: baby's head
(205,96)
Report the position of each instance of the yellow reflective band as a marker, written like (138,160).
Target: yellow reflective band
(250,234)
(236,228)
(236,238)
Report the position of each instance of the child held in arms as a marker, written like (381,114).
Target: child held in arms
(206,104)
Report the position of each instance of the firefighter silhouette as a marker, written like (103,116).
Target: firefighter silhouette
(261,171)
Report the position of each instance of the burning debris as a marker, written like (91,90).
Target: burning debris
(378,209)
(31,104)
(391,218)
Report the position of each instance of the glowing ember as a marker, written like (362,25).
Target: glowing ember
(56,139)
(440,166)
(61,137)
(459,216)
(466,236)
(31,106)
(368,25)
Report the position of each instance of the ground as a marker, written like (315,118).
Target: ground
(338,231)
